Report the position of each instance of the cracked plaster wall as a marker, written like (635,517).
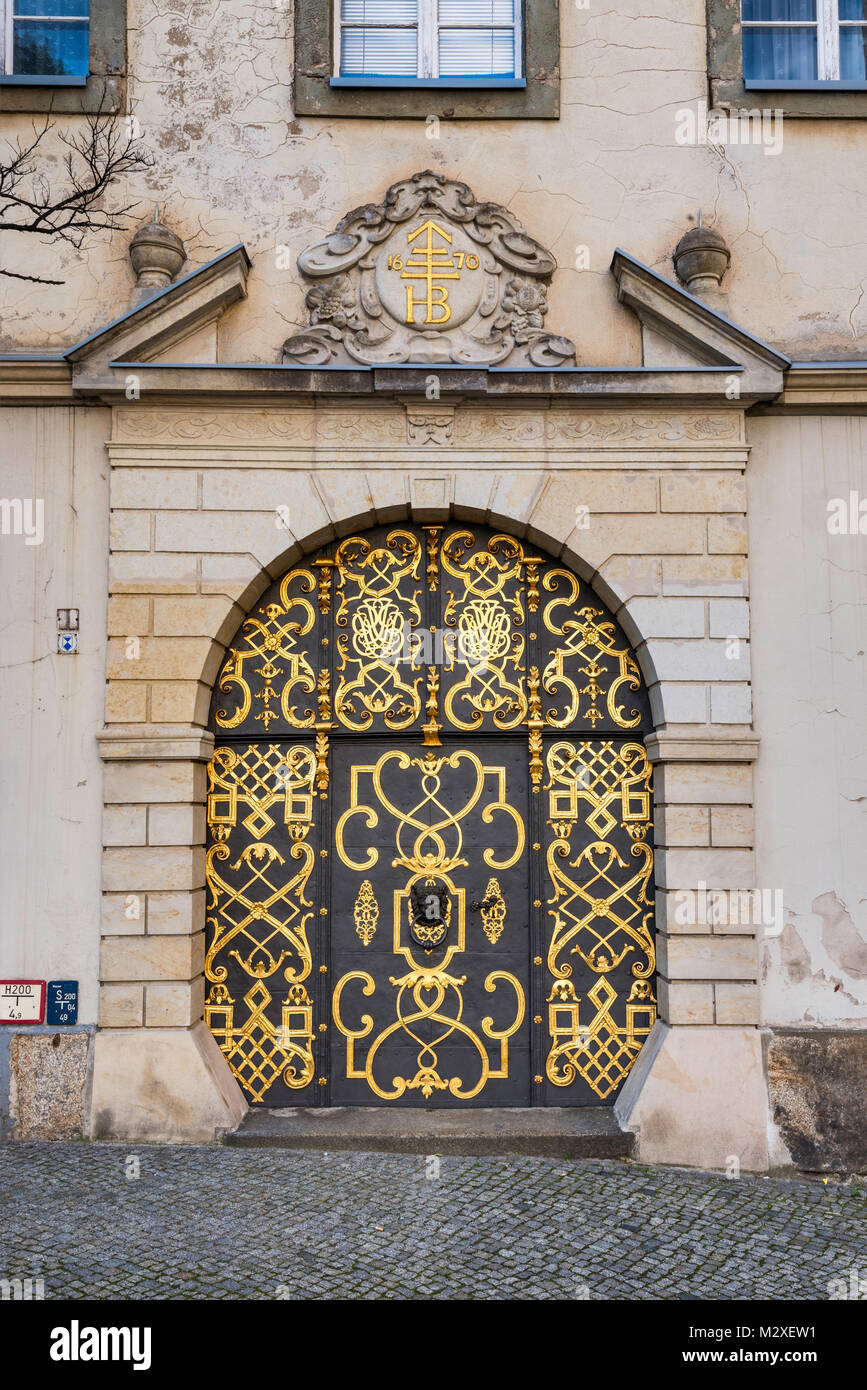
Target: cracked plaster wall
(809,650)
(51,807)
(210,83)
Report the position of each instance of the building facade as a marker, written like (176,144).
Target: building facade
(435,556)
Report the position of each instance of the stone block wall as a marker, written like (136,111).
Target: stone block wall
(207,509)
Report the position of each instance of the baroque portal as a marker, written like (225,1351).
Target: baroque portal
(430,863)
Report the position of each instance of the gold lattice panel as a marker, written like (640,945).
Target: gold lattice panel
(600,954)
(258,869)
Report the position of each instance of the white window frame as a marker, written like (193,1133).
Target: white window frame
(828,24)
(7,45)
(427,26)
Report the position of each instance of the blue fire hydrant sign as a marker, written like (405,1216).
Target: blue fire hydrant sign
(61,1002)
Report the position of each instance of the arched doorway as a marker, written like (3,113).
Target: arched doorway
(430,868)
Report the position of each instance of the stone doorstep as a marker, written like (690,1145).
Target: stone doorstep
(579,1132)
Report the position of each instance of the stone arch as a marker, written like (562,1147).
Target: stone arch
(345,515)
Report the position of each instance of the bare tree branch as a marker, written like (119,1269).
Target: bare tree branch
(97,156)
(35,279)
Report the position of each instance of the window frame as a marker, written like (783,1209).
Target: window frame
(102,88)
(827,25)
(535,95)
(8,19)
(427,28)
(728,90)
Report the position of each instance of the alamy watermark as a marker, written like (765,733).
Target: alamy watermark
(854,1286)
(436,646)
(700,126)
(23,516)
(22,1290)
(730,907)
(847,516)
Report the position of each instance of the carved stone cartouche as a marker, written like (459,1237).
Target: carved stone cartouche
(429,275)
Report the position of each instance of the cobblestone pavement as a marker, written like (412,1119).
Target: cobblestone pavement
(208,1222)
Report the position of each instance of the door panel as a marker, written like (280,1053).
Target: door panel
(445,1025)
(263,875)
(599,947)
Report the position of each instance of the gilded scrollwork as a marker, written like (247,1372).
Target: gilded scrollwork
(487,609)
(425,998)
(366,913)
(591,660)
(271,638)
(260,776)
(432,542)
(258,913)
(432,729)
(428,846)
(258,1050)
(378,612)
(358,682)
(437,846)
(324,566)
(493,911)
(535,725)
(601,1050)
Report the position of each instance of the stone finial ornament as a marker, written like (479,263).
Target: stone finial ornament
(156,255)
(701,259)
(429,275)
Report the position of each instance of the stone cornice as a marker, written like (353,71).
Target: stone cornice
(155,743)
(253,381)
(807,387)
(35,380)
(717,747)
(821,386)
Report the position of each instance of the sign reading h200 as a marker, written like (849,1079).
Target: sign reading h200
(22,1001)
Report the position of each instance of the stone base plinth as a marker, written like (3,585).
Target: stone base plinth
(164,1084)
(697,1096)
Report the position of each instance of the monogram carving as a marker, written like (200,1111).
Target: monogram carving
(428,275)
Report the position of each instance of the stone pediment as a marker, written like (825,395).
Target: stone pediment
(172,324)
(429,275)
(682,332)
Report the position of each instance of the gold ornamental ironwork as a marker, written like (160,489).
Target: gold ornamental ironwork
(390,721)
(428,844)
(601,909)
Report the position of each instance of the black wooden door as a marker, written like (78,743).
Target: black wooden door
(430,864)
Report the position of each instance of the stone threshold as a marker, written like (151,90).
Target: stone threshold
(580,1132)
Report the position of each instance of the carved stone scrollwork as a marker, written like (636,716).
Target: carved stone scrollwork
(429,275)
(430,426)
